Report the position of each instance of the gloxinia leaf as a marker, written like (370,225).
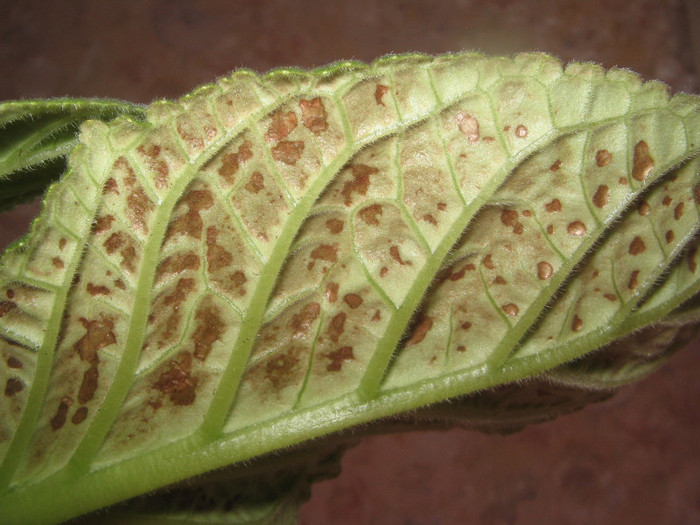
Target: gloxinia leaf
(275,259)
(37,135)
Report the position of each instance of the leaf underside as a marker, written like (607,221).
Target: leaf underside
(274,259)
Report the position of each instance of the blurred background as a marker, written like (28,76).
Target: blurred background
(632,459)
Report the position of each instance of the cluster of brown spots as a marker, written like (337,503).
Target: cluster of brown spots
(232,161)
(692,263)
(544,270)
(279,369)
(633,282)
(637,246)
(469,126)
(13,362)
(324,252)
(301,322)
(603,157)
(353,300)
(379,93)
(217,256)
(94,290)
(13,386)
(282,125)
(337,326)
(371,214)
(678,211)
(128,253)
(103,224)
(510,218)
(176,380)
(602,196)
(394,252)
(521,131)
(670,236)
(156,164)
(488,262)
(179,263)
(359,183)
(510,309)
(332,292)
(174,300)
(644,209)
(610,297)
(256,183)
(553,206)
(58,263)
(210,327)
(420,331)
(335,226)
(138,205)
(59,419)
(99,333)
(191,223)
(576,323)
(288,151)
(337,357)
(111,185)
(576,228)
(643,163)
(79,416)
(556,165)
(313,114)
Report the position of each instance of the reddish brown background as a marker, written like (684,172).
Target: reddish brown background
(630,460)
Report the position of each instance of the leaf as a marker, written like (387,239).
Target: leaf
(36,136)
(275,259)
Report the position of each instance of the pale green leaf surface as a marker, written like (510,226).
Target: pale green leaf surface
(273,259)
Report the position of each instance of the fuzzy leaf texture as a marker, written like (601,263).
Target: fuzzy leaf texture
(274,259)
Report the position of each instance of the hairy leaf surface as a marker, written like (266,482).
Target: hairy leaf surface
(272,259)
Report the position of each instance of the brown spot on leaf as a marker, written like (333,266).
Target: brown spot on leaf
(692,263)
(420,331)
(79,416)
(510,309)
(177,382)
(353,300)
(138,207)
(576,228)
(576,323)
(384,270)
(622,181)
(643,163)
(544,270)
(337,326)
(670,236)
(499,280)
(301,322)
(10,293)
(13,362)
(678,211)
(179,263)
(644,209)
(456,276)
(99,333)
(610,297)
(441,206)
(553,206)
(603,157)
(191,223)
(637,246)
(256,183)
(155,163)
(521,131)
(488,263)
(120,284)
(332,292)
(379,93)
(429,218)
(469,126)
(326,252)
(339,356)
(114,242)
(89,384)
(232,161)
(371,214)
(466,325)
(394,252)
(13,386)
(555,166)
(632,284)
(335,226)
(550,229)
(359,183)
(667,201)
(602,196)
(102,224)
(279,369)
(62,243)
(509,217)
(111,186)
(59,419)
(282,125)
(313,115)
(288,152)
(210,327)
(217,256)
(94,290)
(58,263)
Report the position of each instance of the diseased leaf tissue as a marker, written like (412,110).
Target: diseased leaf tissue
(272,259)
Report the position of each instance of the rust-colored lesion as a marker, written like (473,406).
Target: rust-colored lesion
(154,161)
(396,255)
(420,331)
(256,183)
(337,326)
(95,290)
(360,182)
(218,257)
(643,162)
(288,151)
(553,206)
(231,162)
(127,249)
(13,386)
(371,214)
(210,329)
(313,115)
(176,380)
(353,300)
(603,157)
(59,419)
(191,223)
(282,124)
(302,322)
(338,357)
(379,93)
(637,246)
(469,126)
(335,226)
(178,263)
(602,196)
